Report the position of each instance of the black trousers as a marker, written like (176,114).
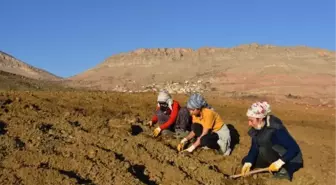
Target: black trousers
(267,156)
(208,140)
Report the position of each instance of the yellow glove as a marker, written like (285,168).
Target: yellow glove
(156,131)
(275,166)
(246,168)
(180,146)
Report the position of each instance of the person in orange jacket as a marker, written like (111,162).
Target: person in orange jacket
(207,127)
(172,119)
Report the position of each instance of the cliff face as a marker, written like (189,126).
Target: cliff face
(246,68)
(10,64)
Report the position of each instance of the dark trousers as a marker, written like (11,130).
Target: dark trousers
(209,140)
(182,123)
(267,156)
(183,120)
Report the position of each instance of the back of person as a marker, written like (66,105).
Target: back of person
(209,119)
(208,127)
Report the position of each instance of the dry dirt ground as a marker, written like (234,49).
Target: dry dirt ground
(92,138)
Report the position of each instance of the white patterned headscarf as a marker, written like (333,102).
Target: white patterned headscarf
(164,96)
(259,110)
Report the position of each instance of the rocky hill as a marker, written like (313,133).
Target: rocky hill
(10,81)
(249,68)
(10,64)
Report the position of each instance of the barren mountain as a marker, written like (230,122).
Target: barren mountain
(10,81)
(249,68)
(10,64)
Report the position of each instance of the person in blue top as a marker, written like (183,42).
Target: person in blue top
(272,145)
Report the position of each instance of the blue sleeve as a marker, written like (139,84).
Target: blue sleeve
(282,137)
(253,153)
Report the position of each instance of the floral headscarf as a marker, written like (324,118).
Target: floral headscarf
(259,110)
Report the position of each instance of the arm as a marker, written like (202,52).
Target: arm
(154,119)
(198,141)
(172,117)
(283,138)
(209,119)
(190,135)
(253,153)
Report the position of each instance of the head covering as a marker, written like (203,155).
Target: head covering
(196,101)
(259,110)
(164,96)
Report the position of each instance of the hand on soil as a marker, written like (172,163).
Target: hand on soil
(275,166)
(190,149)
(156,131)
(180,146)
(150,123)
(246,168)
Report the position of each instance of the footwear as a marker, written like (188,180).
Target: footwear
(179,134)
(226,153)
(282,174)
(223,148)
(167,133)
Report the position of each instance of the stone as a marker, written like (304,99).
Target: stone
(255,176)
(192,167)
(91,153)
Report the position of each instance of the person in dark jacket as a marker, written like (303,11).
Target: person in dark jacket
(172,119)
(272,145)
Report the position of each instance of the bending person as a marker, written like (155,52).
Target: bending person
(171,118)
(272,145)
(208,127)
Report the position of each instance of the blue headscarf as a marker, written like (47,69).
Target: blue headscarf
(196,101)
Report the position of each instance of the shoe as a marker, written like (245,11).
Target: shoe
(167,133)
(223,148)
(205,148)
(282,174)
(227,152)
(180,134)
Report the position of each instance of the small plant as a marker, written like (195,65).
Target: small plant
(292,96)
(213,89)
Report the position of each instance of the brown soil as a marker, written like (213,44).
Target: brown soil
(11,81)
(92,138)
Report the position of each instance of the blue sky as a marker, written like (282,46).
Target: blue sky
(67,37)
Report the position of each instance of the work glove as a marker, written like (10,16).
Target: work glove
(180,146)
(156,131)
(275,166)
(190,149)
(246,168)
